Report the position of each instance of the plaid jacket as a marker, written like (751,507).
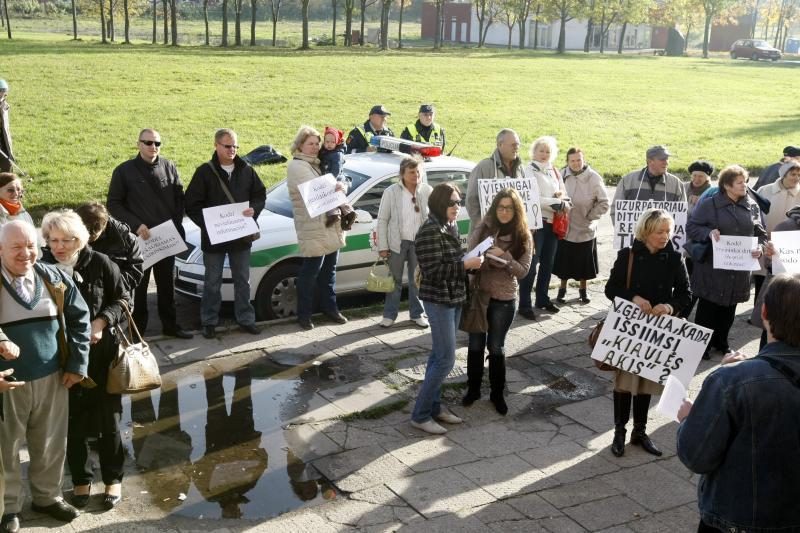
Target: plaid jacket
(439,255)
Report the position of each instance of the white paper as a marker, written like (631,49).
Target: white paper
(528,189)
(732,252)
(787,246)
(672,398)
(320,195)
(227,223)
(164,241)
(498,259)
(627,212)
(484,245)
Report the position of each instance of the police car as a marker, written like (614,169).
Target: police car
(275,258)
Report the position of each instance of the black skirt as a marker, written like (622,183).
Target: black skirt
(576,260)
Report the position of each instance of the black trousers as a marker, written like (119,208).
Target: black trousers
(94,413)
(165,286)
(718,318)
(704,528)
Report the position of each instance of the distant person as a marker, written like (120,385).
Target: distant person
(331,161)
(700,173)
(144,192)
(653,182)
(11,193)
(770,174)
(742,433)
(783,194)
(213,182)
(425,130)
(358,140)
(6,148)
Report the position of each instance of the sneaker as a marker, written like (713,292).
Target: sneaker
(422,322)
(386,322)
(448,418)
(429,427)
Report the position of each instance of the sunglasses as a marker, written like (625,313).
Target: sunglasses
(414,201)
(150,143)
(453,203)
(230,146)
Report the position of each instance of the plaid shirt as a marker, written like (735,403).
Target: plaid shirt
(440,259)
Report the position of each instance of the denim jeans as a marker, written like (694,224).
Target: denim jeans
(500,315)
(546,244)
(317,275)
(396,261)
(444,321)
(211,300)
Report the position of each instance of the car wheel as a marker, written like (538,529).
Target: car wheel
(754,57)
(277,294)
(733,55)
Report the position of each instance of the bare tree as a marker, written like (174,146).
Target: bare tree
(349,7)
(8,20)
(305,45)
(364,5)
(205,20)
(173,8)
(402,4)
(275,10)
(483,12)
(437,35)
(237,31)
(74,21)
(253,13)
(224,22)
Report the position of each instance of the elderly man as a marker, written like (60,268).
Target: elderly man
(359,137)
(226,179)
(742,434)
(144,192)
(44,318)
(653,182)
(771,173)
(6,150)
(425,129)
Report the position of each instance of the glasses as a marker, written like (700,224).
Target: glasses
(414,201)
(15,190)
(61,242)
(229,146)
(150,143)
(506,208)
(454,203)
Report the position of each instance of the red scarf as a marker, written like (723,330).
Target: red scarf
(12,208)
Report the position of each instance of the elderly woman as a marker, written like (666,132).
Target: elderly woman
(92,411)
(659,285)
(443,290)
(552,198)
(700,172)
(730,211)
(11,192)
(576,257)
(404,207)
(505,262)
(319,243)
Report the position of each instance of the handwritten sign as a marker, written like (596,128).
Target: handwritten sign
(627,212)
(320,195)
(732,252)
(164,241)
(527,188)
(653,347)
(787,244)
(227,223)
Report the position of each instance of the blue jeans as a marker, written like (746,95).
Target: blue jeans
(500,315)
(396,261)
(546,244)
(317,275)
(444,321)
(211,300)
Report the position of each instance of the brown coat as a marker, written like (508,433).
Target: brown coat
(500,281)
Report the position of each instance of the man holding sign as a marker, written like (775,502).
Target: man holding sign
(226,179)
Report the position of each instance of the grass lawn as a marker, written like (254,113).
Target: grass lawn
(78,106)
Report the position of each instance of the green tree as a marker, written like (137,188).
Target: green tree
(508,15)
(564,11)
(523,14)
(631,12)
(712,9)
(484,12)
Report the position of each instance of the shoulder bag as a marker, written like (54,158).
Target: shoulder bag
(473,314)
(135,368)
(595,333)
(377,282)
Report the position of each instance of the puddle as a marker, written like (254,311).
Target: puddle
(211,445)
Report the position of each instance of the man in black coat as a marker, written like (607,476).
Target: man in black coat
(145,192)
(226,179)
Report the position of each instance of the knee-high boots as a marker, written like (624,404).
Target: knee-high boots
(474,377)
(497,380)
(641,404)
(622,413)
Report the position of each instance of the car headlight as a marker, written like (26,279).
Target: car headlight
(196,257)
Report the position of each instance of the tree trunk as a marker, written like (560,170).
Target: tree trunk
(205,20)
(274,31)
(334,4)
(111,20)
(437,35)
(155,21)
(305,25)
(510,28)
(363,15)
(174,20)
(74,21)
(400,26)
(521,25)
(127,17)
(8,20)
(603,32)
(224,22)
(349,5)
(385,5)
(755,20)
(536,35)
(622,37)
(686,39)
(588,41)
(562,36)
(485,32)
(237,6)
(165,5)
(707,33)
(102,21)
(253,13)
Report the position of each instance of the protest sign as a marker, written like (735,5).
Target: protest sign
(787,246)
(627,212)
(227,223)
(164,241)
(527,188)
(732,252)
(320,195)
(654,347)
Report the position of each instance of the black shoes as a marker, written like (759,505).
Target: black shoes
(81,500)
(583,298)
(209,332)
(178,333)
(549,306)
(530,314)
(560,297)
(336,317)
(9,523)
(641,438)
(110,501)
(252,329)
(618,444)
(305,323)
(471,397)
(60,510)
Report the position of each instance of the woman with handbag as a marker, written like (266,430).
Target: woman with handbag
(443,290)
(92,411)
(652,275)
(404,207)
(505,262)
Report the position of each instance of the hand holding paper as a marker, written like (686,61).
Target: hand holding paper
(484,245)
(672,398)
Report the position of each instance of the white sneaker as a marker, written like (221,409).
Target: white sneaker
(422,322)
(448,418)
(386,322)
(429,427)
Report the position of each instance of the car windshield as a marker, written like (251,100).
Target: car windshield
(279,202)
(761,44)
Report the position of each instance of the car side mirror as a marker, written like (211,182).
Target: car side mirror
(362,217)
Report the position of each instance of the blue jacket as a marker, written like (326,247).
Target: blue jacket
(743,436)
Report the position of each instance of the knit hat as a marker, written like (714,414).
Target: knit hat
(338,135)
(702,166)
(786,167)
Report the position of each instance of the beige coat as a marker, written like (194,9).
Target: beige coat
(589,203)
(313,237)
(391,210)
(549,181)
(781,200)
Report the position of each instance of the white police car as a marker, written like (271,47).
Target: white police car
(275,259)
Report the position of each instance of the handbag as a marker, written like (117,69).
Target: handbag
(473,314)
(135,368)
(380,282)
(598,328)
(560,224)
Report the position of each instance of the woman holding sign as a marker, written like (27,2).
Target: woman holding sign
(730,211)
(652,275)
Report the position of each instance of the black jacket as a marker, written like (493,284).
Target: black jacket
(122,247)
(206,191)
(356,142)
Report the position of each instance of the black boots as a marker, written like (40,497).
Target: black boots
(497,379)
(641,403)
(562,292)
(622,413)
(474,377)
(582,296)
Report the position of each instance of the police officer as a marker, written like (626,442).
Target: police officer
(359,137)
(425,129)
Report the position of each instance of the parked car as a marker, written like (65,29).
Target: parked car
(754,49)
(275,258)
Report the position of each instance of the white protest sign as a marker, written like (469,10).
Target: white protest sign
(671,399)
(320,195)
(527,188)
(653,347)
(732,252)
(627,212)
(227,223)
(164,241)
(787,246)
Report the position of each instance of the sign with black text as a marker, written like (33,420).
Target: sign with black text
(732,252)
(164,241)
(527,188)
(787,247)
(627,212)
